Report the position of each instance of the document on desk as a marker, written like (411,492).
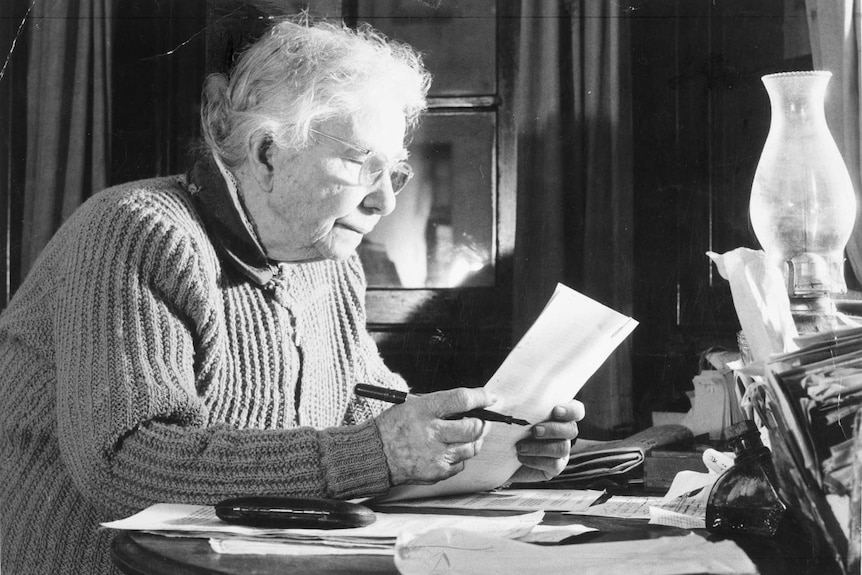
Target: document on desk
(567,500)
(546,534)
(684,504)
(570,340)
(453,552)
(200,521)
(623,507)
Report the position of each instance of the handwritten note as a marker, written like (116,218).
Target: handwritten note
(623,506)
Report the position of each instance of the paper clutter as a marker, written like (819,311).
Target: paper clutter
(761,301)
(456,552)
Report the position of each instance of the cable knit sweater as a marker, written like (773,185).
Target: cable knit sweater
(138,364)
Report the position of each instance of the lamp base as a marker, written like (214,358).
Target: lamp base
(813,314)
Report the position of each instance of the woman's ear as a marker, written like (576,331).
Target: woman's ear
(261,149)
(263,152)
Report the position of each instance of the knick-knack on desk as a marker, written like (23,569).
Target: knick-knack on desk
(744,499)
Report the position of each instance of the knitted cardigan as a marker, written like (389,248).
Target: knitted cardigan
(137,366)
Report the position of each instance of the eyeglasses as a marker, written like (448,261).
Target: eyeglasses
(375,165)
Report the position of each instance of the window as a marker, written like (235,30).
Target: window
(439,288)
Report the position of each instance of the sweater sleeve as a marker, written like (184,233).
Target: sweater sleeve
(129,323)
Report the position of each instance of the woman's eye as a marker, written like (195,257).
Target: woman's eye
(352,165)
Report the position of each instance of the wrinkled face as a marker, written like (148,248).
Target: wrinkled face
(317,209)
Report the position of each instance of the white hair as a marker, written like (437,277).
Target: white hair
(300,73)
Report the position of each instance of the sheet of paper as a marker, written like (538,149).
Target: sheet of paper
(201,521)
(623,506)
(711,405)
(238,546)
(690,483)
(512,500)
(661,516)
(760,299)
(449,551)
(569,341)
(684,504)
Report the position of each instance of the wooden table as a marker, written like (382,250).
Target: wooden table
(145,554)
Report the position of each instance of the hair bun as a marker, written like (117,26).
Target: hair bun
(215,86)
(214,110)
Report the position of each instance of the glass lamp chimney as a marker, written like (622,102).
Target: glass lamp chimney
(802,203)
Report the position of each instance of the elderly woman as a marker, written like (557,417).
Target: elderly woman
(192,338)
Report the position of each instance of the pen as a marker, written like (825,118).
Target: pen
(395,396)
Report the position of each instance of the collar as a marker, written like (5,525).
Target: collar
(219,201)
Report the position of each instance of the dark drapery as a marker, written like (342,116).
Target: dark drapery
(68,114)
(574,221)
(835,29)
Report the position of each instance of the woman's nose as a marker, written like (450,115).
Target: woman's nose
(380,198)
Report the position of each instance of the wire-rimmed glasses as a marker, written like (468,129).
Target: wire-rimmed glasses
(375,165)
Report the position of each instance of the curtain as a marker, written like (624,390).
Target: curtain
(575,191)
(68,114)
(835,29)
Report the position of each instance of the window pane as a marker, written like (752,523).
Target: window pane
(442,231)
(445,31)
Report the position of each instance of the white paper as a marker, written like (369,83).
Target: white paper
(710,405)
(689,484)
(201,521)
(717,461)
(449,551)
(238,546)
(570,340)
(512,500)
(623,506)
(684,504)
(671,518)
(761,301)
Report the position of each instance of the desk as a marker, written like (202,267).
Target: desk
(144,554)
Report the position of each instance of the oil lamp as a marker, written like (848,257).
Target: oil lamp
(802,205)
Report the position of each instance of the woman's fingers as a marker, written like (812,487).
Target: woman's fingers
(422,446)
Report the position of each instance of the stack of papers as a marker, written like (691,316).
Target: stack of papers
(173,520)
(810,402)
(683,506)
(820,388)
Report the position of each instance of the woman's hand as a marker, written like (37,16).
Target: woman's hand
(421,446)
(546,452)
